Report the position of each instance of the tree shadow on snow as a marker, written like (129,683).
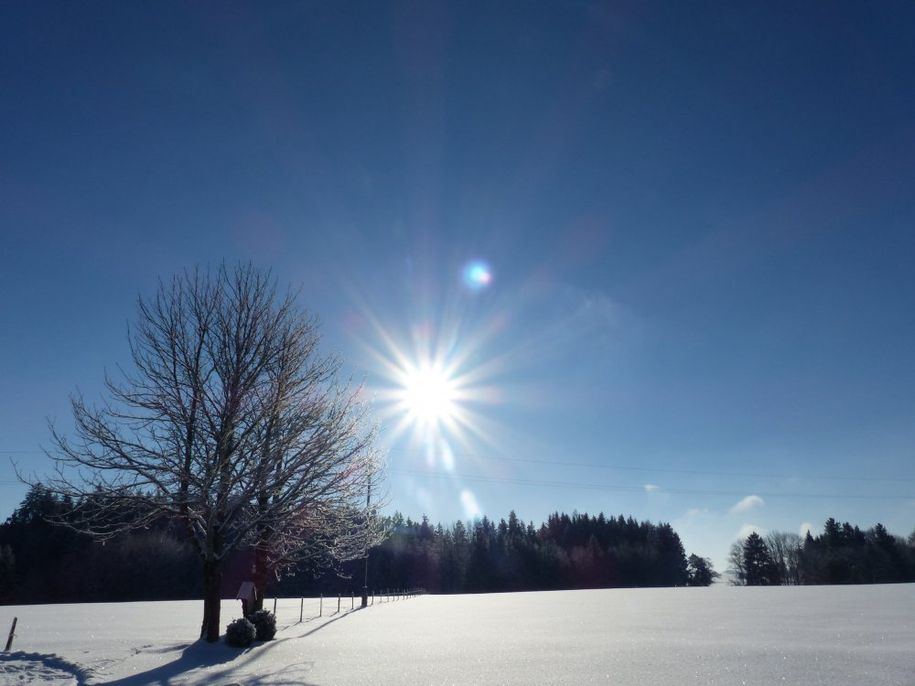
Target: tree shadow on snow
(196,655)
(201,654)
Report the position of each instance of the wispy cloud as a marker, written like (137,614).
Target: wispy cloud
(748,529)
(651,488)
(694,512)
(747,504)
(567,317)
(596,306)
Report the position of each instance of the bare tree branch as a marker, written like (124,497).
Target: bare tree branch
(230,421)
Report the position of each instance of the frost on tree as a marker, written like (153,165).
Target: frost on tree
(231,422)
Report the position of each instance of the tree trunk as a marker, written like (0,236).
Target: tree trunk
(212,580)
(260,575)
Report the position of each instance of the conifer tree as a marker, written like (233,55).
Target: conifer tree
(759,567)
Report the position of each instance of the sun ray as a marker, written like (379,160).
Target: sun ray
(429,392)
(434,381)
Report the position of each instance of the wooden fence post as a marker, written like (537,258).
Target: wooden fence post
(274,606)
(321,607)
(301,608)
(338,603)
(9,641)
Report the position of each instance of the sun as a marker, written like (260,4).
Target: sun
(430,387)
(429,395)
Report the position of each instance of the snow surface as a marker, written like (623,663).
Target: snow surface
(849,635)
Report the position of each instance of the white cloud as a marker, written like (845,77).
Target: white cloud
(694,512)
(747,504)
(748,529)
(652,488)
(806,527)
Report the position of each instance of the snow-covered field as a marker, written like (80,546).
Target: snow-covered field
(852,635)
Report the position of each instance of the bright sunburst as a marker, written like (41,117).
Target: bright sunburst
(427,398)
(429,395)
(429,391)
(434,385)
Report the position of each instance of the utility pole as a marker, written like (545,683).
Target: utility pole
(365,579)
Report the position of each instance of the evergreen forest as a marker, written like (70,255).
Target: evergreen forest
(42,562)
(841,554)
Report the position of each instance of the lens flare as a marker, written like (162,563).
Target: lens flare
(469,502)
(432,381)
(477,275)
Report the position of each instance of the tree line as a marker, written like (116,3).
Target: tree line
(565,552)
(42,562)
(841,554)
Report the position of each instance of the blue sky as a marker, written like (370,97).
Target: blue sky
(698,220)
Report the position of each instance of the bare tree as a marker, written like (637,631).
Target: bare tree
(737,570)
(309,428)
(229,422)
(785,548)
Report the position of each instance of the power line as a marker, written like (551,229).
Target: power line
(666,470)
(635,489)
(633,468)
(628,489)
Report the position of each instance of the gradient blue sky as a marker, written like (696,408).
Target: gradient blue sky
(700,220)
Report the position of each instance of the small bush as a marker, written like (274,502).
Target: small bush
(265,623)
(240,633)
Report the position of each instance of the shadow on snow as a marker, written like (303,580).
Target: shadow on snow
(48,661)
(200,654)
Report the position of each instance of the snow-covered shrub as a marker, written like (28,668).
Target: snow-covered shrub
(265,622)
(240,633)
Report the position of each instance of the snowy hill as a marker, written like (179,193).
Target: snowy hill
(847,635)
